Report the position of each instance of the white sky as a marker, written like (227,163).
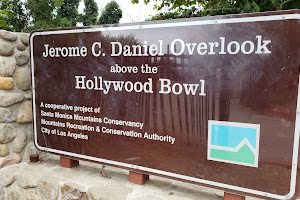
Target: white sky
(131,12)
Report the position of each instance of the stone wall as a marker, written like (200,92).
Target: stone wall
(15,97)
(46,180)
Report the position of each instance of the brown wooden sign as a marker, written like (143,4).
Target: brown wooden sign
(210,100)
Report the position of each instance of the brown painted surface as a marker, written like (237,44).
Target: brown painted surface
(34,158)
(138,178)
(68,163)
(228,196)
(247,88)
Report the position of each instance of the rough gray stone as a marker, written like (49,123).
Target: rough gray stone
(27,151)
(177,197)
(29,132)
(148,198)
(9,160)
(25,113)
(73,191)
(7,35)
(21,58)
(6,49)
(7,133)
(7,66)
(23,78)
(6,115)
(187,196)
(20,141)
(32,195)
(2,196)
(21,47)
(7,176)
(28,94)
(29,177)
(3,150)
(48,187)
(15,192)
(108,192)
(8,99)
(24,38)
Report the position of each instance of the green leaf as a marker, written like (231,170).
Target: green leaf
(2,23)
(256,7)
(4,12)
(247,7)
(274,2)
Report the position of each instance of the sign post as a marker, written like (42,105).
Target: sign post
(212,101)
(228,196)
(68,163)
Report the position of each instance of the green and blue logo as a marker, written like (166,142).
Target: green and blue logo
(233,142)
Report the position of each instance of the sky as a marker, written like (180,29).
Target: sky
(131,12)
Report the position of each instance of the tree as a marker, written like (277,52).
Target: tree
(29,15)
(17,18)
(3,15)
(90,12)
(216,7)
(42,13)
(191,8)
(111,14)
(68,12)
(173,4)
(52,13)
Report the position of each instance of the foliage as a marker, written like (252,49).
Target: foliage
(111,14)
(42,13)
(16,18)
(184,13)
(67,12)
(3,14)
(28,15)
(191,8)
(172,4)
(90,13)
(47,14)
(215,7)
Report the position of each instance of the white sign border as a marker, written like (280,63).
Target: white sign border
(179,24)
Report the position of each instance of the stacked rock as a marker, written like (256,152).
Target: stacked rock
(15,96)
